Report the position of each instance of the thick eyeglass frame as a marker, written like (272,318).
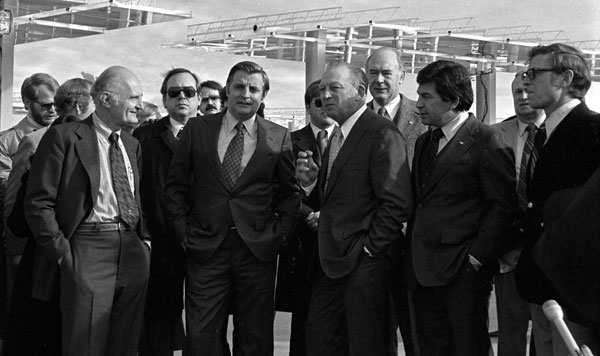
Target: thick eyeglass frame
(189,92)
(531,73)
(45,106)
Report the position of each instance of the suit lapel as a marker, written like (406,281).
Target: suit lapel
(87,150)
(210,128)
(350,144)
(166,135)
(419,146)
(452,152)
(130,145)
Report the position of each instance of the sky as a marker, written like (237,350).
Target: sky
(579,19)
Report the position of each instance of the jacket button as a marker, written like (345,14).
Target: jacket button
(530,205)
(542,224)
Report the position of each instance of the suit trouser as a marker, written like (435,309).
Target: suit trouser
(513,316)
(208,288)
(452,320)
(103,289)
(350,315)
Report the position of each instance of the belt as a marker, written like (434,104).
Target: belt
(101,227)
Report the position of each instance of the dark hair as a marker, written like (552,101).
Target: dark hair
(358,76)
(70,93)
(30,85)
(250,68)
(452,82)
(172,72)
(565,58)
(211,84)
(312,92)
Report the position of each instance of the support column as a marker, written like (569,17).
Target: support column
(7,63)
(315,56)
(486,93)
(348,46)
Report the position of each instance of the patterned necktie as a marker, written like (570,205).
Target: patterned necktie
(538,144)
(337,139)
(128,208)
(383,112)
(434,145)
(233,156)
(322,141)
(523,181)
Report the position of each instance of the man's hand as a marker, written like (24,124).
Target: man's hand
(307,170)
(312,220)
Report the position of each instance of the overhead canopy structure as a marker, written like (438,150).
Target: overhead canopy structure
(324,35)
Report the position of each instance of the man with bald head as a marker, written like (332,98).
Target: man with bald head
(82,205)
(513,311)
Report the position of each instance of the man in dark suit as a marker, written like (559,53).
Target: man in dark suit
(365,196)
(163,325)
(557,79)
(386,73)
(465,198)
(513,311)
(82,205)
(298,259)
(232,200)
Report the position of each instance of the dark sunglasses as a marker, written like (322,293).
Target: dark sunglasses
(531,73)
(45,106)
(189,92)
(205,99)
(318,103)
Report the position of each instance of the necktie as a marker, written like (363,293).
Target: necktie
(128,208)
(434,145)
(179,133)
(337,139)
(540,139)
(322,141)
(233,156)
(523,181)
(383,112)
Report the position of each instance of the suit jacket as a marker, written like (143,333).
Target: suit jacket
(62,188)
(9,142)
(368,195)
(263,205)
(466,205)
(409,124)
(569,157)
(167,268)
(297,258)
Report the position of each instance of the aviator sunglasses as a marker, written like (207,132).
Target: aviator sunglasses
(189,92)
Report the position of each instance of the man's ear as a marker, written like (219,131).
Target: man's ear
(105,99)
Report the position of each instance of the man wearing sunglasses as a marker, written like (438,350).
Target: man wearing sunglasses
(557,80)
(297,261)
(232,200)
(210,98)
(163,325)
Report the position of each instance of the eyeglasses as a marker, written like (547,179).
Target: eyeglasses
(189,92)
(318,103)
(205,99)
(531,73)
(45,106)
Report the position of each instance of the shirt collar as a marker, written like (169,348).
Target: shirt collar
(523,126)
(392,107)
(229,121)
(315,129)
(452,127)
(559,114)
(349,124)
(102,128)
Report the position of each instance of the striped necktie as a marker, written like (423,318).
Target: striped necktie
(523,181)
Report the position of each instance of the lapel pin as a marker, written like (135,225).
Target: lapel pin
(461,142)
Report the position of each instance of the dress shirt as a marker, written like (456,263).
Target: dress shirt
(228,132)
(558,115)
(392,107)
(106,208)
(451,128)
(315,130)
(521,139)
(175,126)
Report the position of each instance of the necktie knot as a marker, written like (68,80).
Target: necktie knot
(113,137)
(436,135)
(179,133)
(383,112)
(240,127)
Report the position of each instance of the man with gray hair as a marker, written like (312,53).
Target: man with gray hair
(82,205)
(365,195)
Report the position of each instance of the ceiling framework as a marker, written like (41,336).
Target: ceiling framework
(352,36)
(37,20)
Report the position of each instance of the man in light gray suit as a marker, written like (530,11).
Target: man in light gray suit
(513,311)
